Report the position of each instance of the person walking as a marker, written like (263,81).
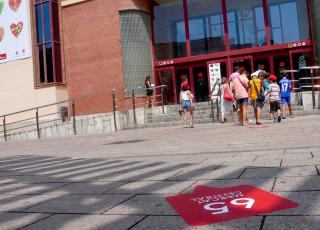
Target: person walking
(149,91)
(256,93)
(286,88)
(241,86)
(227,100)
(274,98)
(186,99)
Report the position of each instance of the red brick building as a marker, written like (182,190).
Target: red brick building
(89,47)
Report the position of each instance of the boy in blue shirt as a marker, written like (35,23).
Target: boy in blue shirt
(285,87)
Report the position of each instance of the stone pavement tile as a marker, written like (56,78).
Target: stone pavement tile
(32,179)
(230,159)
(309,203)
(265,184)
(21,202)
(143,205)
(177,223)
(153,187)
(223,172)
(261,153)
(12,221)
(291,222)
(257,163)
(301,150)
(28,189)
(139,176)
(300,162)
(93,204)
(96,187)
(285,157)
(291,184)
(85,222)
(279,172)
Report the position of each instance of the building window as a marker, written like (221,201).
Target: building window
(169,29)
(136,49)
(48,48)
(206,26)
(288,20)
(246,23)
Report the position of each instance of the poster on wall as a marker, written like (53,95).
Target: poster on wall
(215,77)
(14,30)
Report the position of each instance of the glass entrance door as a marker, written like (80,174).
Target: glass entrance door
(166,76)
(182,75)
(200,83)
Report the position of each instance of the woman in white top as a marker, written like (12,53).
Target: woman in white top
(226,106)
(186,99)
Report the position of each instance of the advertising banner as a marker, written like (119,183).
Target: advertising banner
(14,30)
(215,77)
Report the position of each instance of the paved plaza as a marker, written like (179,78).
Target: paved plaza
(120,180)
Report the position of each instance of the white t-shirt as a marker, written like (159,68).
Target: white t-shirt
(185,95)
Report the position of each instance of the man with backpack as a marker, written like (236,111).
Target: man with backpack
(256,92)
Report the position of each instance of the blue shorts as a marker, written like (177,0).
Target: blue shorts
(186,105)
(286,100)
(243,101)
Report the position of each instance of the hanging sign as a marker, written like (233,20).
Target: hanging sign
(215,77)
(207,205)
(14,30)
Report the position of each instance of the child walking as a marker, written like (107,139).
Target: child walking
(274,98)
(186,99)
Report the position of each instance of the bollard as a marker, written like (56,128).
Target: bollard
(74,117)
(4,129)
(38,125)
(114,109)
(134,108)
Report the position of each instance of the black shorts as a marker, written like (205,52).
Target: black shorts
(274,106)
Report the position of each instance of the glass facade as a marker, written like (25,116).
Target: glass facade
(288,21)
(246,24)
(204,31)
(206,26)
(169,30)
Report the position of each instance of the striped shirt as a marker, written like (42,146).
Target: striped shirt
(274,90)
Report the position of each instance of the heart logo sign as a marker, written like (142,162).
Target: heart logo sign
(14,4)
(16,29)
(1,33)
(1,6)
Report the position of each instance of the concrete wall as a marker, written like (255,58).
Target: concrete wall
(17,88)
(315,8)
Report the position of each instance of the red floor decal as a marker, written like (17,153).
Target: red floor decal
(207,205)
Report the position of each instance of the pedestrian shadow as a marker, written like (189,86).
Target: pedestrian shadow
(32,184)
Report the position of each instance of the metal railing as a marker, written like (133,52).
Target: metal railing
(32,119)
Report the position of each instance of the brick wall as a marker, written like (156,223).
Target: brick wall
(92,50)
(315,7)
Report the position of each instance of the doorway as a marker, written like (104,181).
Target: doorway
(166,77)
(281,63)
(182,75)
(262,63)
(200,84)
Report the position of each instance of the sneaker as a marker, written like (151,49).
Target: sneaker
(191,126)
(258,123)
(275,120)
(279,119)
(291,116)
(283,117)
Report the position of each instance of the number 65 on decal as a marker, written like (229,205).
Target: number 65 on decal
(218,209)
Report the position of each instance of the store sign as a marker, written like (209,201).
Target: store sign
(207,205)
(215,77)
(296,44)
(167,62)
(14,30)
